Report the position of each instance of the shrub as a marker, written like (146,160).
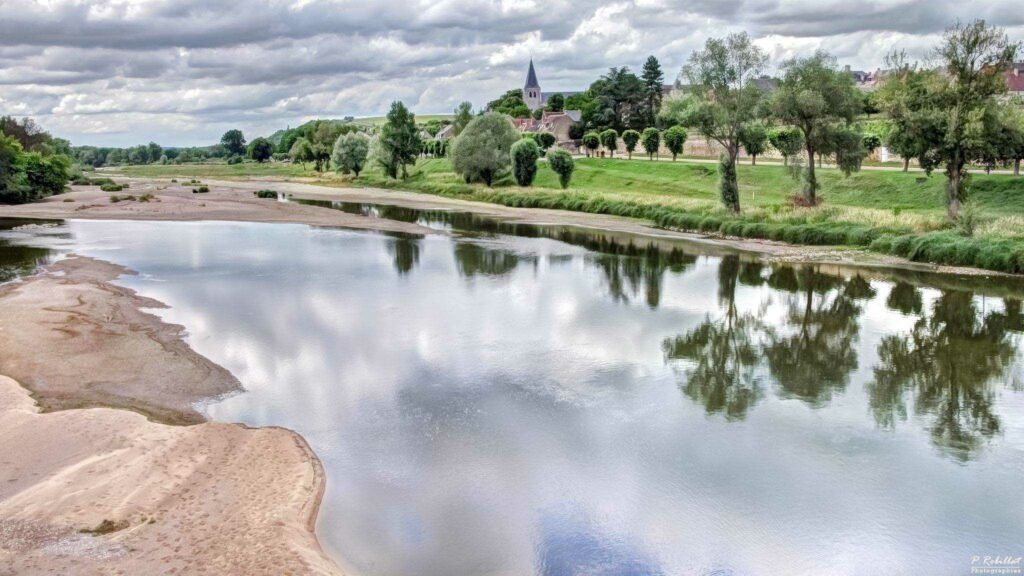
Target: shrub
(562,163)
(610,141)
(111,187)
(630,138)
(525,154)
(146,197)
(201,190)
(651,141)
(482,152)
(236,159)
(591,141)
(675,139)
(266,194)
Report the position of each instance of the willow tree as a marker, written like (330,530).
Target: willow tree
(821,101)
(725,99)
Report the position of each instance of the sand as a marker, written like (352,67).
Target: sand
(208,498)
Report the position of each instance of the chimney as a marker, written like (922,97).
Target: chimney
(846,68)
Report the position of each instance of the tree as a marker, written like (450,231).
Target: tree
(951,118)
(787,140)
(561,163)
(619,99)
(556,103)
(675,139)
(725,99)
(12,176)
(483,151)
(815,97)
(400,139)
(754,139)
(650,139)
(525,154)
(630,138)
(545,140)
(233,142)
(654,81)
(463,116)
(154,151)
(301,152)
(610,141)
(350,152)
(510,103)
(27,132)
(260,149)
(591,141)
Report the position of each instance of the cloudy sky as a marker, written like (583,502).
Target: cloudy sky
(181,72)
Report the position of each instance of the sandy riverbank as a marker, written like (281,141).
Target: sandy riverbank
(210,498)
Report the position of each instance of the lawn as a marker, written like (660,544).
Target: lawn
(886,211)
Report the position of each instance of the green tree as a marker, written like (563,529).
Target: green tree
(815,97)
(525,154)
(787,140)
(400,139)
(350,152)
(13,188)
(619,98)
(561,163)
(483,151)
(301,152)
(675,140)
(725,100)
(260,149)
(654,81)
(591,141)
(154,151)
(463,116)
(510,103)
(556,103)
(754,139)
(630,138)
(953,116)
(233,142)
(610,141)
(545,140)
(650,139)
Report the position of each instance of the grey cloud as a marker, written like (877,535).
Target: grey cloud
(107,70)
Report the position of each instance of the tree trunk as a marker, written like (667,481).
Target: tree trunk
(730,187)
(753,159)
(906,164)
(785,160)
(1016,167)
(955,176)
(811,185)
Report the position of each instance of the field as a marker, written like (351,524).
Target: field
(886,211)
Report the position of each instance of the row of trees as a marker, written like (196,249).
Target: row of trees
(947,117)
(33,164)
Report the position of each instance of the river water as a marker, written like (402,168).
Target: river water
(544,400)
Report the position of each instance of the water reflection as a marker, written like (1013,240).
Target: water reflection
(18,258)
(950,366)
(405,252)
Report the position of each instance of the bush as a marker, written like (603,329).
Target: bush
(592,141)
(201,190)
(675,139)
(651,141)
(525,154)
(266,194)
(630,138)
(236,159)
(562,163)
(482,152)
(111,187)
(610,141)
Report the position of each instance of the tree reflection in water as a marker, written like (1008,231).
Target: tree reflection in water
(405,252)
(478,260)
(949,365)
(723,351)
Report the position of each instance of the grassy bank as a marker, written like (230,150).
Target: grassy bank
(885,211)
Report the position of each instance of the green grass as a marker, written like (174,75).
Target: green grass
(885,211)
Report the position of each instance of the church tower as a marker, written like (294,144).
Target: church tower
(531,92)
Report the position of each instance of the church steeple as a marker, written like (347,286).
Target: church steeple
(531,91)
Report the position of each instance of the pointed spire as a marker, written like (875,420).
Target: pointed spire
(531,77)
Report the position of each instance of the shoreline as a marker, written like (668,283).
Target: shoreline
(144,483)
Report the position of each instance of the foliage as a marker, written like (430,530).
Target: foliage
(260,149)
(350,152)
(610,141)
(463,116)
(630,138)
(619,101)
(235,160)
(789,141)
(32,175)
(650,139)
(400,139)
(753,137)
(233,142)
(815,97)
(525,154)
(483,151)
(555,103)
(510,103)
(561,163)
(653,81)
(271,194)
(111,187)
(545,140)
(951,118)
(301,152)
(675,139)
(591,141)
